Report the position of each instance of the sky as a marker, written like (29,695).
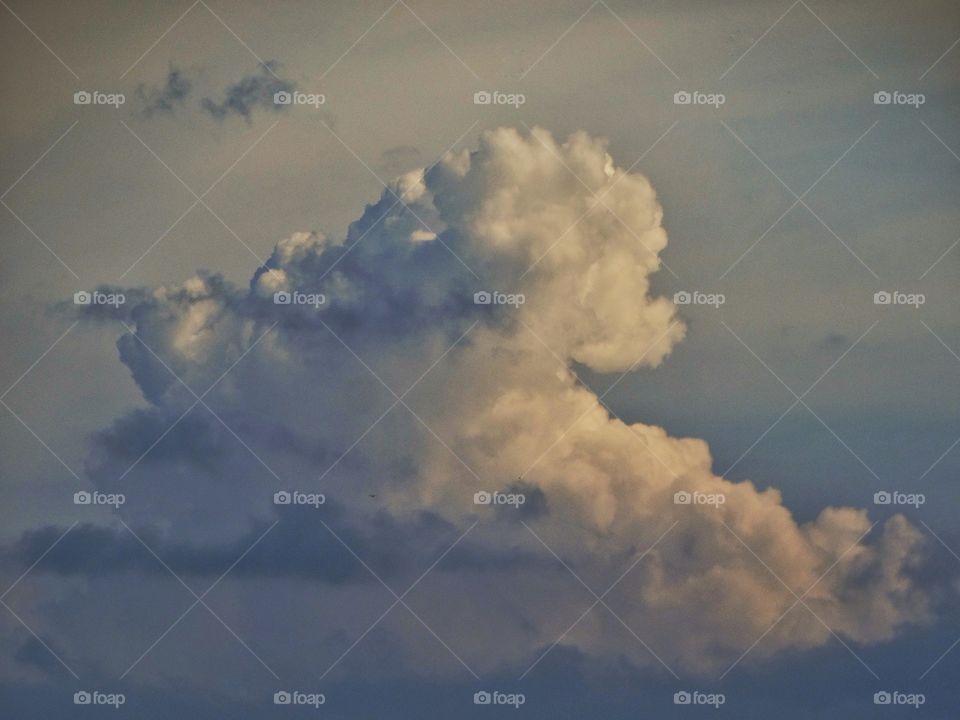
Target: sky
(422,359)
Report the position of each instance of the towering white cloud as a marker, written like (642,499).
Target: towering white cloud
(579,238)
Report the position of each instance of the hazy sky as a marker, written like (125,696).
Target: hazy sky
(689,217)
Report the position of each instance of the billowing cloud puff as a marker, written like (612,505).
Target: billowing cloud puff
(399,390)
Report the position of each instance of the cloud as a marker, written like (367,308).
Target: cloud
(304,395)
(301,547)
(249,93)
(167,97)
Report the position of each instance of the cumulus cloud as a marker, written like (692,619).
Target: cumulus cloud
(250,92)
(499,409)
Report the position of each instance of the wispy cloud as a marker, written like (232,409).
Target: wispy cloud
(166,97)
(249,93)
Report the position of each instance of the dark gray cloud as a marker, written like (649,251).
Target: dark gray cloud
(164,98)
(194,441)
(305,544)
(250,92)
